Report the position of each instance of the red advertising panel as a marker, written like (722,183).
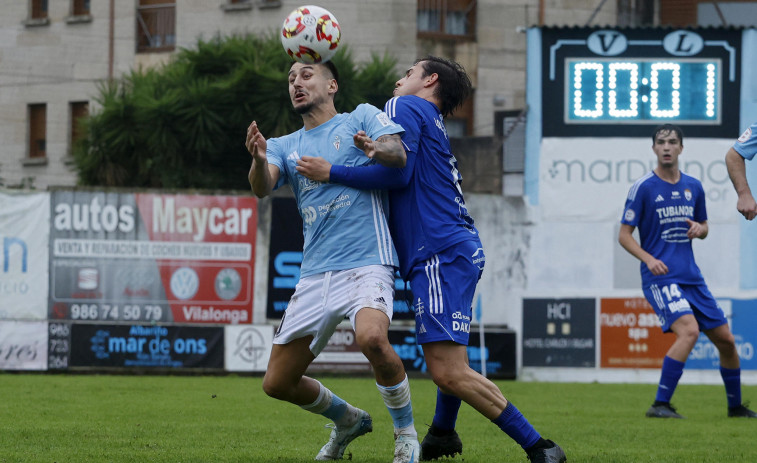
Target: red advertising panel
(630,334)
(152,257)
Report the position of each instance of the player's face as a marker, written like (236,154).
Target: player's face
(411,83)
(310,86)
(667,146)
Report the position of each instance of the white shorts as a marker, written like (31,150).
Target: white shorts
(320,302)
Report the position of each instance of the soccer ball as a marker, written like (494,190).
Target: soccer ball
(310,34)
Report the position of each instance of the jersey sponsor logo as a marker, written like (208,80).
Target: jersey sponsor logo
(293,156)
(383,119)
(675,211)
(340,202)
(675,195)
(687,194)
(629,215)
(659,198)
(440,125)
(309,215)
(306,184)
(675,235)
(478,258)
(745,136)
(679,305)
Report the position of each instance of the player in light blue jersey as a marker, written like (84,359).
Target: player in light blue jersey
(348,259)
(440,253)
(668,207)
(744,148)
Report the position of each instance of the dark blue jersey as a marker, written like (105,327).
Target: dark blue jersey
(659,210)
(427,213)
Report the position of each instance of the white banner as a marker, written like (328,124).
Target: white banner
(24,238)
(248,347)
(23,345)
(587,179)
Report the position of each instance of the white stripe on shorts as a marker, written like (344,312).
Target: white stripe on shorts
(435,296)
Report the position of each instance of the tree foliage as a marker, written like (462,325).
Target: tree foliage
(183,125)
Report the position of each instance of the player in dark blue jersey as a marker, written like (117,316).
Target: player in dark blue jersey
(744,148)
(668,207)
(439,251)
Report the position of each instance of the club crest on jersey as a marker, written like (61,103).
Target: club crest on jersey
(629,215)
(746,135)
(337,142)
(687,194)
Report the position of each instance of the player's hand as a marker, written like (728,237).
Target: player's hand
(657,267)
(256,143)
(696,230)
(747,206)
(314,168)
(365,143)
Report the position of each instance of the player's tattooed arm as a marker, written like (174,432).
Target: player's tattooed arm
(386,149)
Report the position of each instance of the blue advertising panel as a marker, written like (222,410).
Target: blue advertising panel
(743,318)
(146,346)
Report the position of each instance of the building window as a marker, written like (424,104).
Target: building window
(39,9)
(460,122)
(450,18)
(237,5)
(79,110)
(635,13)
(37,131)
(156,26)
(79,7)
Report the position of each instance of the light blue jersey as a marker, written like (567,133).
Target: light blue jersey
(659,209)
(343,227)
(746,145)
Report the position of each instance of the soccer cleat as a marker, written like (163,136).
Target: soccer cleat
(741,411)
(551,454)
(663,410)
(437,446)
(406,449)
(340,438)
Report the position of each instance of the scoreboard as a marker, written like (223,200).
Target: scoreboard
(621,82)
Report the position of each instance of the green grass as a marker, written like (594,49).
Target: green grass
(104,418)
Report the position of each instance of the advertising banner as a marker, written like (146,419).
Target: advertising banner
(578,181)
(247,347)
(24,232)
(23,345)
(559,333)
(58,346)
(148,346)
(285,251)
(742,316)
(342,354)
(630,334)
(499,351)
(152,257)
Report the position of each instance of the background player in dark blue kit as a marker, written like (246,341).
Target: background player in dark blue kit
(668,207)
(744,148)
(440,252)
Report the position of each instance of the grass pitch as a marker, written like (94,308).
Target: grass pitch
(183,419)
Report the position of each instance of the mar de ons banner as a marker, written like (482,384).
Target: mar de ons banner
(139,257)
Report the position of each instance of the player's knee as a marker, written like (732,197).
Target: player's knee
(372,343)
(274,389)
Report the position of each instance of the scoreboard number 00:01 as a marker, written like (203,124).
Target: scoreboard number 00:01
(642,90)
(115,312)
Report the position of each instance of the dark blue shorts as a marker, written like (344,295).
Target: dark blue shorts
(443,288)
(672,300)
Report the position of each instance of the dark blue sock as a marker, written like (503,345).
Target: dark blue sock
(671,372)
(732,381)
(445,415)
(517,426)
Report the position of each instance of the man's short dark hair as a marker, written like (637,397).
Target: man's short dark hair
(664,128)
(328,65)
(455,85)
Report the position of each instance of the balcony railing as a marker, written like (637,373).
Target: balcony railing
(156,27)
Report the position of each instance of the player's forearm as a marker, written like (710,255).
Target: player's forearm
(630,244)
(737,171)
(260,178)
(389,151)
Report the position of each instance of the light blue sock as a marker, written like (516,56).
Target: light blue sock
(397,400)
(331,406)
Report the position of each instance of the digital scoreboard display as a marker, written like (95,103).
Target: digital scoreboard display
(642,90)
(623,82)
